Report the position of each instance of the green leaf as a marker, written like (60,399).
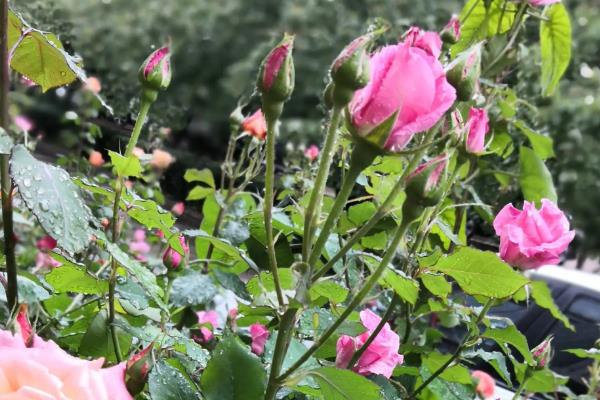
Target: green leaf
(455,373)
(510,335)
(342,384)
(6,142)
(166,382)
(54,199)
(74,278)
(264,282)
(328,289)
(148,213)
(196,175)
(97,340)
(125,166)
(15,29)
(192,288)
(29,291)
(436,284)
(41,58)
(233,373)
(496,359)
(235,253)
(133,293)
(583,353)
(444,390)
(555,45)
(199,193)
(535,178)
(474,269)
(543,298)
(542,145)
(404,286)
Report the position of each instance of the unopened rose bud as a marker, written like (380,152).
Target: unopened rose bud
(276,77)
(138,367)
(350,71)
(542,353)
(155,72)
(423,188)
(478,127)
(24,326)
(463,73)
(451,32)
(172,259)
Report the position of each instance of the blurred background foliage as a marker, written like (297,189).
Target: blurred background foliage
(217,47)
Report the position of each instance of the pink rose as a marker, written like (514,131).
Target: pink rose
(46,243)
(260,334)
(312,152)
(172,259)
(208,321)
(44,260)
(161,159)
(139,246)
(532,238)
(45,371)
(478,127)
(255,125)
(539,3)
(426,40)
(23,123)
(96,160)
(381,357)
(486,385)
(178,208)
(404,79)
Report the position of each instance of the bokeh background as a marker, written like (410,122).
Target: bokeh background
(218,45)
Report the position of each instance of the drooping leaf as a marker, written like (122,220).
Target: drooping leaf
(510,335)
(543,297)
(233,373)
(74,278)
(53,198)
(542,145)
(342,384)
(555,44)
(192,288)
(474,269)
(200,175)
(166,382)
(583,353)
(535,178)
(495,358)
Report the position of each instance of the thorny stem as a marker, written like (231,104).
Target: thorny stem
(313,210)
(7,210)
(268,207)
(116,224)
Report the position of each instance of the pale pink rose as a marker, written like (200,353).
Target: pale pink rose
(404,79)
(478,127)
(46,243)
(426,40)
(172,259)
(161,159)
(260,334)
(178,208)
(539,3)
(139,235)
(46,372)
(138,152)
(96,160)
(486,385)
(312,152)
(23,123)
(381,357)
(532,238)
(208,321)
(255,125)
(93,84)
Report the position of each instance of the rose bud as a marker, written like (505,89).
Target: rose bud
(255,125)
(478,127)
(259,334)
(451,32)
(463,73)
(542,353)
(155,72)
(276,77)
(172,259)
(24,326)
(423,187)
(138,367)
(532,238)
(486,385)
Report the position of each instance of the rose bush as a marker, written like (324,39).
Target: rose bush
(284,290)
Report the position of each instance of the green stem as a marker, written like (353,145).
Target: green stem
(116,222)
(362,156)
(384,319)
(6,182)
(163,313)
(313,211)
(356,300)
(456,354)
(281,345)
(268,207)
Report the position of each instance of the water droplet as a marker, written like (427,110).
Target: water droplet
(27,182)
(44,205)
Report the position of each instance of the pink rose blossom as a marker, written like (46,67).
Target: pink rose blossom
(45,371)
(45,261)
(178,208)
(96,160)
(486,385)
(426,40)
(532,238)
(255,125)
(312,152)
(404,79)
(23,123)
(208,321)
(46,243)
(381,357)
(478,127)
(139,246)
(260,334)
(539,3)
(161,159)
